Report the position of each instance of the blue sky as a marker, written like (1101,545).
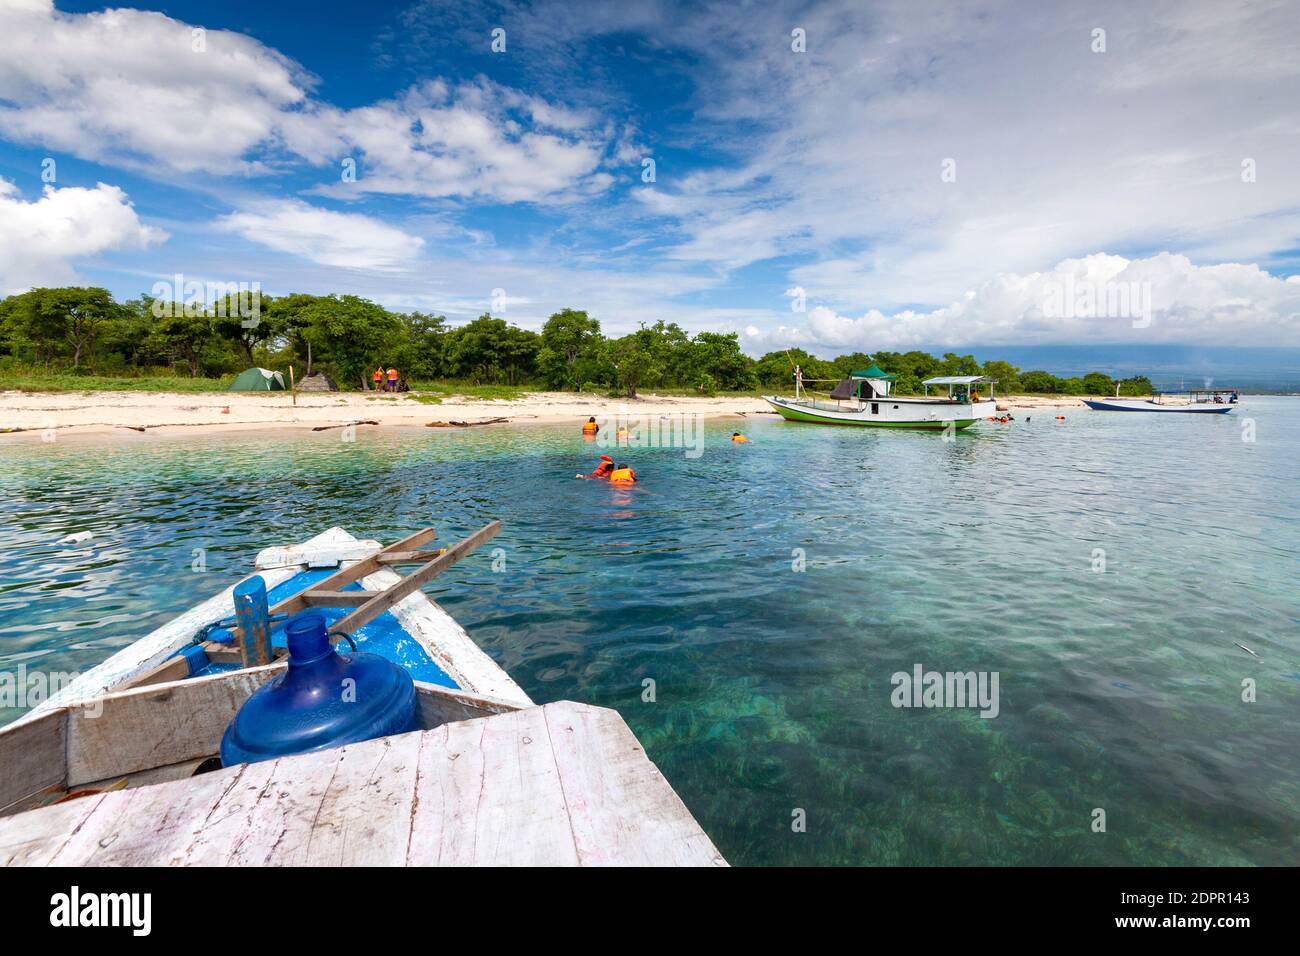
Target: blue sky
(836,176)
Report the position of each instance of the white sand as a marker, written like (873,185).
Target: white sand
(172,413)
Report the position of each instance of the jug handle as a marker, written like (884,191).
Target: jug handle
(347,637)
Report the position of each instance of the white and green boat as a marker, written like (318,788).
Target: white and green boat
(867,398)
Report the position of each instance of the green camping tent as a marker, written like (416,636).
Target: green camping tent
(257,380)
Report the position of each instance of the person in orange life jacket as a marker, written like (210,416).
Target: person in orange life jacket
(622,475)
(602,470)
(392,379)
(589,427)
(738,437)
(378,378)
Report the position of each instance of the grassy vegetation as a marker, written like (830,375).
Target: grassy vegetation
(481,392)
(63,382)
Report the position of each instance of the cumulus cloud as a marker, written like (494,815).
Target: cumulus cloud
(346,240)
(136,87)
(474,140)
(39,239)
(1098,298)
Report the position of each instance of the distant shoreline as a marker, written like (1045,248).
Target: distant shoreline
(32,416)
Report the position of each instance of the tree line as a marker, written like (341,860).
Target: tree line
(84,330)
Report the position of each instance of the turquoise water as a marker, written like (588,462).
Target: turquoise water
(1118,690)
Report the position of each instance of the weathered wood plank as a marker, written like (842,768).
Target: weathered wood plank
(489,795)
(560,784)
(407,557)
(414,581)
(318,598)
(332,547)
(34,757)
(621,808)
(158,724)
(443,705)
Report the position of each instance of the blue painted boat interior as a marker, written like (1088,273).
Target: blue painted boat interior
(383,636)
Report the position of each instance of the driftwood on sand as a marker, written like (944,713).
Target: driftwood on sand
(325,428)
(453,424)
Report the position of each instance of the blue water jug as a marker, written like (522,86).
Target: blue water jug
(325,699)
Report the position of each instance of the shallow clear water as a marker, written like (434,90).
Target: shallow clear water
(1118,690)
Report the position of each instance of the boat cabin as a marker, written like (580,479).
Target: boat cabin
(964,389)
(1199,396)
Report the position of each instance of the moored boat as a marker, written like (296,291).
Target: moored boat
(121,767)
(1202,401)
(867,398)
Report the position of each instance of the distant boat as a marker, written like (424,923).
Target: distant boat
(1204,401)
(866,399)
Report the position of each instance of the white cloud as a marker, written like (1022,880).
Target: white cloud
(1097,298)
(1059,151)
(476,140)
(128,86)
(39,239)
(347,240)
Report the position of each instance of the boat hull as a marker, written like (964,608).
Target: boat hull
(889,413)
(1145,406)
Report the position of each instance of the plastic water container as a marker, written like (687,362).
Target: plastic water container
(325,699)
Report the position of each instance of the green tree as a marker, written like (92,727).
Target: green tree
(1040,381)
(490,350)
(350,333)
(716,359)
(72,315)
(184,338)
(1005,375)
(634,359)
(568,338)
(1095,383)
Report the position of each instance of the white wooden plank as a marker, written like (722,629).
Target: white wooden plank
(33,755)
(621,808)
(157,724)
(41,834)
(554,785)
(489,795)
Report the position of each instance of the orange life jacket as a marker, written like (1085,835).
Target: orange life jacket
(602,470)
(392,375)
(626,475)
(590,428)
(379,373)
(739,438)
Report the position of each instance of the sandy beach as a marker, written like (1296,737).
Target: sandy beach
(33,415)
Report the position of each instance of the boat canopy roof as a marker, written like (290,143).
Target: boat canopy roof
(958,380)
(876,372)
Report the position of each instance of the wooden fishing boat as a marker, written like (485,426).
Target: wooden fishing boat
(866,399)
(121,766)
(1201,401)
